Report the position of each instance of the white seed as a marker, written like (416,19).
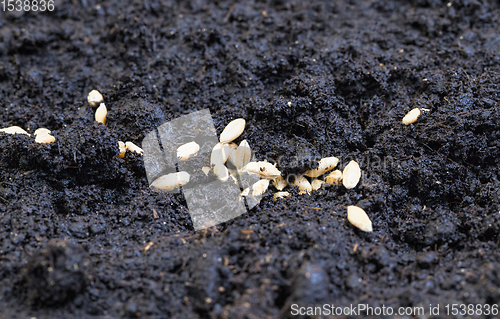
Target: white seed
(42,136)
(134,148)
(232,131)
(100,114)
(14,130)
(351,175)
(280,195)
(186,150)
(41,130)
(302,183)
(334,178)
(243,154)
(316,184)
(123,149)
(94,98)
(171,181)
(264,169)
(325,164)
(221,172)
(358,218)
(218,156)
(206,169)
(411,117)
(231,153)
(45,138)
(260,187)
(280,183)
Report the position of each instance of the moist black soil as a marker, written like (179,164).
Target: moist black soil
(83,236)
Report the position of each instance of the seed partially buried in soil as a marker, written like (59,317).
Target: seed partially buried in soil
(411,117)
(43,136)
(279,195)
(122,148)
(316,184)
(264,169)
(101,113)
(14,130)
(134,148)
(358,217)
(334,178)
(171,181)
(325,164)
(302,183)
(232,131)
(351,175)
(94,98)
(280,183)
(187,150)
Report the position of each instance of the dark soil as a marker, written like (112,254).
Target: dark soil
(312,79)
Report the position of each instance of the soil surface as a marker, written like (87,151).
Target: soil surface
(83,236)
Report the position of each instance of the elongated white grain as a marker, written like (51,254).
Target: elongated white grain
(260,187)
(221,172)
(411,117)
(134,148)
(264,169)
(325,164)
(14,130)
(359,218)
(171,181)
(187,150)
(243,154)
(218,156)
(101,113)
(232,131)
(231,156)
(351,175)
